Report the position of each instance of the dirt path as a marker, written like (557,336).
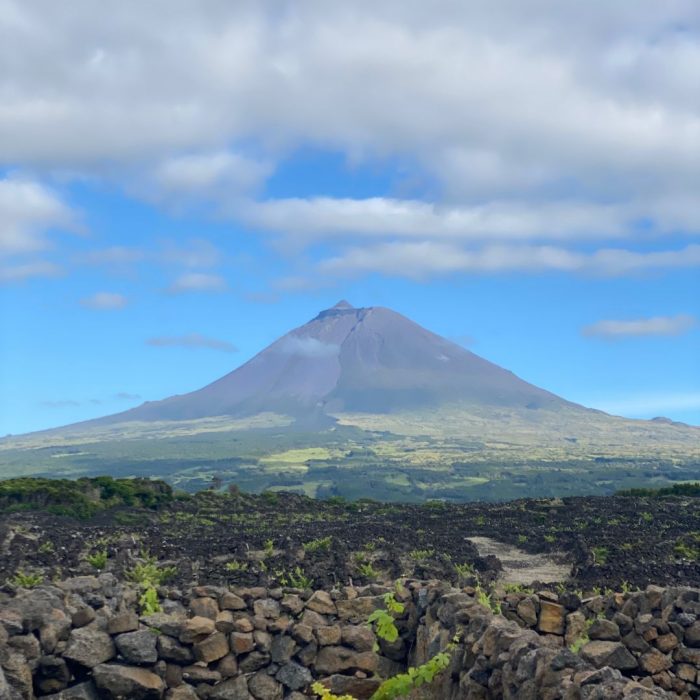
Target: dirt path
(522,567)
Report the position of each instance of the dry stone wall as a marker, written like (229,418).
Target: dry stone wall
(82,639)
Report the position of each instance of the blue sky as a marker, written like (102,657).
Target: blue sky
(178,189)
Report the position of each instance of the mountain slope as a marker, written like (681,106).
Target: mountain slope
(368,360)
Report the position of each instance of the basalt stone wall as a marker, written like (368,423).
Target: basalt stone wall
(82,639)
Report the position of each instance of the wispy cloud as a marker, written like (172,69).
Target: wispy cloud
(18,272)
(306,347)
(104,301)
(421,260)
(29,209)
(654,326)
(126,396)
(60,403)
(198,282)
(192,340)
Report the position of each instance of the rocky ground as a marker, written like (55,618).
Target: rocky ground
(277,539)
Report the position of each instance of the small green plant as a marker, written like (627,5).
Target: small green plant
(23,580)
(98,560)
(465,570)
(647,517)
(522,539)
(582,639)
(366,570)
(269,547)
(325,694)
(322,544)
(47,548)
(488,600)
(382,620)
(148,602)
(480,520)
(550,539)
(295,579)
(421,554)
(237,567)
(150,573)
(600,555)
(403,684)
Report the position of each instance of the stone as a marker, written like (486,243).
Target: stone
(228,666)
(264,687)
(82,616)
(18,674)
(253,662)
(116,682)
(328,636)
(165,623)
(224,622)
(123,622)
(172,675)
(27,644)
(89,647)
(303,633)
(692,634)
(359,637)
(666,642)
(292,603)
(11,620)
(243,624)
(307,655)
(336,659)
(267,607)
(52,674)
(282,649)
(54,629)
(360,688)
(313,619)
(137,647)
(527,611)
(230,601)
(294,676)
(82,691)
(242,642)
(200,674)
(358,609)
(171,650)
(322,603)
(212,648)
(204,607)
(263,640)
(613,654)
(605,630)
(654,662)
(196,628)
(575,627)
(232,689)
(551,618)
(182,692)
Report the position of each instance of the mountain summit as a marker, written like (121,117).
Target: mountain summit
(359,360)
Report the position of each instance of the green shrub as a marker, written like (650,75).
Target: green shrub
(23,580)
(98,560)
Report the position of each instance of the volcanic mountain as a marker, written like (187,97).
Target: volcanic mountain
(357,360)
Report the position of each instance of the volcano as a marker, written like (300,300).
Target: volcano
(358,360)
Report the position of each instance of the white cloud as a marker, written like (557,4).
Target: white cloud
(421,260)
(104,301)
(528,122)
(657,325)
(27,210)
(192,340)
(18,272)
(197,282)
(308,347)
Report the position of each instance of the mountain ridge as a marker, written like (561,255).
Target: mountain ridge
(367,359)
